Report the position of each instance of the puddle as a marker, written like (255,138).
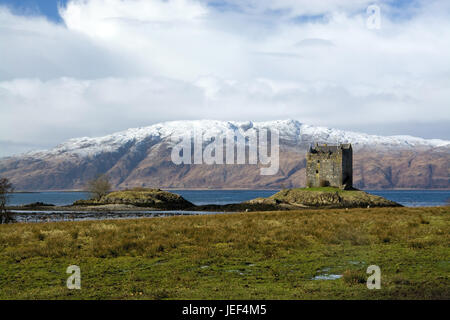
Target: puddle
(237,271)
(356,262)
(327,277)
(23,216)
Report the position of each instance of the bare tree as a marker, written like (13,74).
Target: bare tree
(5,189)
(99,187)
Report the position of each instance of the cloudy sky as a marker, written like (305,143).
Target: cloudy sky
(92,67)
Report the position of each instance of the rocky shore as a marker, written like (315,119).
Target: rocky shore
(326,197)
(142,199)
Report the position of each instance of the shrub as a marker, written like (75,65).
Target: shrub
(99,187)
(5,189)
(353,277)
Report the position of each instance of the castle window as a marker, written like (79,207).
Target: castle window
(318,161)
(317,171)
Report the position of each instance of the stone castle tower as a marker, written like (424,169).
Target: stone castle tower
(330,166)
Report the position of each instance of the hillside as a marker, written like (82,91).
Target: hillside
(141,158)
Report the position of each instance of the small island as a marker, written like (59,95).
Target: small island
(138,197)
(143,199)
(324,197)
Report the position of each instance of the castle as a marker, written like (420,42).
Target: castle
(329,166)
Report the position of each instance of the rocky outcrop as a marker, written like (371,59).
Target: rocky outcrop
(326,197)
(140,197)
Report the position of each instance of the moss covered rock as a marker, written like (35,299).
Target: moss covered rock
(141,197)
(327,197)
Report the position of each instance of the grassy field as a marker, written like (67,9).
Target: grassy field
(261,255)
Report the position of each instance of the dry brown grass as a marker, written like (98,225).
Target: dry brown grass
(264,231)
(165,256)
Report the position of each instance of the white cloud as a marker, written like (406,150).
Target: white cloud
(117,64)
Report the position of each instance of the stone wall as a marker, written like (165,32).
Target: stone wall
(329,166)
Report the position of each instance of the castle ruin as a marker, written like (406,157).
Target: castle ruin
(329,166)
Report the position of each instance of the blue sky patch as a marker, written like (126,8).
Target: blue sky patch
(47,8)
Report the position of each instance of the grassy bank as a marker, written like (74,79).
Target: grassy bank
(268,255)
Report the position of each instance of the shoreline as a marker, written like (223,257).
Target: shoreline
(257,203)
(232,189)
(67,214)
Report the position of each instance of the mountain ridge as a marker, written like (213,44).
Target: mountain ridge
(140,157)
(162,130)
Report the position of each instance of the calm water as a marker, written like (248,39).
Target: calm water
(410,198)
(56,216)
(415,198)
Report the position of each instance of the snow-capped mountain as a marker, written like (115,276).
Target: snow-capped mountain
(142,157)
(291,131)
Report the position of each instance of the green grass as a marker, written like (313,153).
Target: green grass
(262,255)
(323,189)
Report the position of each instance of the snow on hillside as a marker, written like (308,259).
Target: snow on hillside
(290,130)
(357,138)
